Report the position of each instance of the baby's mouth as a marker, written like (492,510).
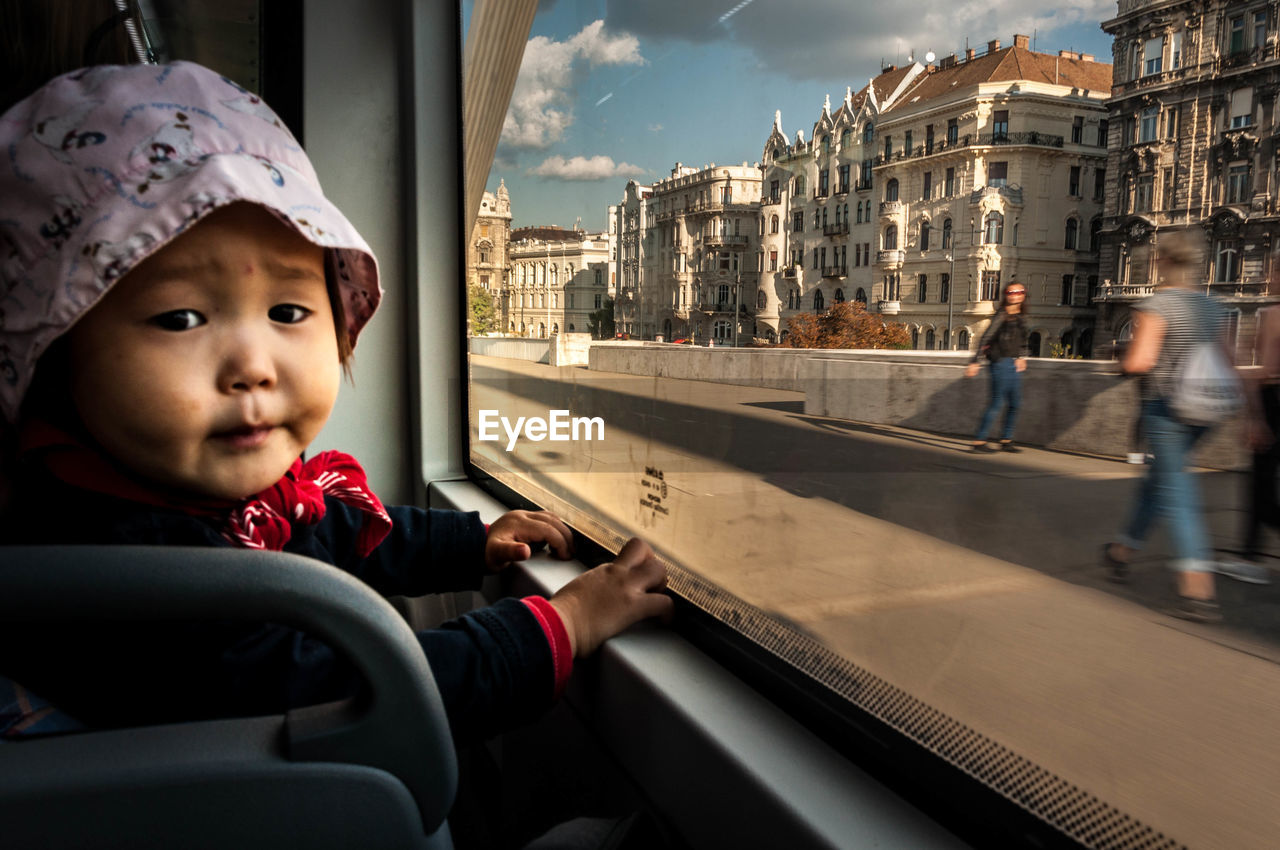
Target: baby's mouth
(245,436)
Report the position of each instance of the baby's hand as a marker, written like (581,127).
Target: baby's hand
(512,535)
(602,602)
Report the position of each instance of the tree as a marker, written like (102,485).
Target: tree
(482,313)
(845,325)
(600,323)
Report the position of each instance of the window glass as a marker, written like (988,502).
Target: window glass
(838,524)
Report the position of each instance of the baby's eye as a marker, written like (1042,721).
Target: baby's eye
(178,320)
(289,314)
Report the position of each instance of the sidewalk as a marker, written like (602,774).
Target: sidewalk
(969,581)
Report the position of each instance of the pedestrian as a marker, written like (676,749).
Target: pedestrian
(1004,345)
(1169,326)
(1262,423)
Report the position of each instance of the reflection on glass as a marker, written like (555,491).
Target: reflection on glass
(665,244)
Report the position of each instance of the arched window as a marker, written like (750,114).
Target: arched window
(1033,344)
(860,296)
(846,213)
(799,187)
(845,138)
(868,133)
(555,275)
(1073,234)
(542,330)
(555,328)
(839,297)
(773,224)
(946,234)
(924,236)
(760,300)
(891,190)
(962,340)
(571,328)
(555,299)
(915,337)
(819,303)
(929,340)
(891,237)
(1095,231)
(993,234)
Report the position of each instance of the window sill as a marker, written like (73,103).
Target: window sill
(712,748)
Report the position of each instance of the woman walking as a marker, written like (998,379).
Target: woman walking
(1005,347)
(1170,325)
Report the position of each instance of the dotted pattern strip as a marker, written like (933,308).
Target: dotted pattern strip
(1062,804)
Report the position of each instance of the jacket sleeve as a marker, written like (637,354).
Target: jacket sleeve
(427,551)
(989,336)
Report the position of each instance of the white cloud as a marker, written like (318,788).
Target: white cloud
(541,105)
(584,168)
(655,128)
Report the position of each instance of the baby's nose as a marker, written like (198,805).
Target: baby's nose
(248,366)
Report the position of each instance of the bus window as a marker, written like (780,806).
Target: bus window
(815,495)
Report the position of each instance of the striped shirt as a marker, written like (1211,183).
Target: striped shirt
(1191,318)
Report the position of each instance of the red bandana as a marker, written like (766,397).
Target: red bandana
(263,521)
(266,520)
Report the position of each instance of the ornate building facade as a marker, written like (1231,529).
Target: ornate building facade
(1193,144)
(689,250)
(487,248)
(927,191)
(556,279)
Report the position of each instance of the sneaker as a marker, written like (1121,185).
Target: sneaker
(1197,610)
(981,448)
(1008,446)
(1242,570)
(1135,457)
(1117,570)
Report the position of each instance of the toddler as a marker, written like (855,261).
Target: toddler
(179,299)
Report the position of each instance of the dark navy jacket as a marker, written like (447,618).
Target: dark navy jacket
(493,666)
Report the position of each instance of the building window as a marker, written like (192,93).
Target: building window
(1064,296)
(773,224)
(773,261)
(818,301)
(1241,108)
(1175,52)
(1099,184)
(993,233)
(1073,234)
(1171,122)
(927,189)
(1095,234)
(944,292)
(839,297)
(924,236)
(946,234)
(891,237)
(1143,192)
(1102,132)
(773,190)
(1238,183)
(998,174)
(953,131)
(1077,130)
(922,288)
(888,147)
(906,143)
(892,287)
(1166,187)
(797,221)
(1152,52)
(1260,28)
(1000,125)
(891,190)
(928,139)
(760,300)
(824,180)
(1147,127)
(865,180)
(1073,181)
(844,179)
(1227,261)
(991,285)
(1235,34)
(915,338)
(860,296)
(868,133)
(949,185)
(799,187)
(599,298)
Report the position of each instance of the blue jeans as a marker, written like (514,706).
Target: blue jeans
(1006,388)
(1170,491)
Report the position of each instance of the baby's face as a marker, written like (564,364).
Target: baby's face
(211,366)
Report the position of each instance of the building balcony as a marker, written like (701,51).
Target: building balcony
(835,271)
(838,229)
(1122,292)
(790,272)
(863,186)
(709,207)
(1012,194)
(770,200)
(891,257)
(890,207)
(842,189)
(821,194)
(1033,137)
(1239,289)
(724,241)
(889,308)
(716,307)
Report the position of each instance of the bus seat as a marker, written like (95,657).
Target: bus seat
(374,772)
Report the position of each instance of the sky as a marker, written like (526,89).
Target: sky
(614,90)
